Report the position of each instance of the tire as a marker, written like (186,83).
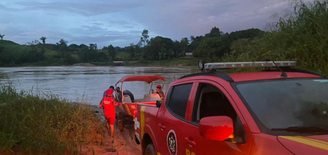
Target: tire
(150,150)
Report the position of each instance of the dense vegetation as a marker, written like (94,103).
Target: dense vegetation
(43,124)
(302,36)
(212,44)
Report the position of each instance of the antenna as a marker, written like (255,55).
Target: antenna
(283,74)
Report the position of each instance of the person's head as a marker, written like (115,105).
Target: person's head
(118,89)
(110,92)
(158,87)
(111,87)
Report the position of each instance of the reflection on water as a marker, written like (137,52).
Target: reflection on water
(88,83)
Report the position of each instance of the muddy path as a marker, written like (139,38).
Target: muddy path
(123,142)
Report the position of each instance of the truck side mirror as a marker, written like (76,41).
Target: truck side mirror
(158,103)
(216,127)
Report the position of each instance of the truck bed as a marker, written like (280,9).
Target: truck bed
(146,114)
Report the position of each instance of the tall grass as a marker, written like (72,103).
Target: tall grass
(43,124)
(301,36)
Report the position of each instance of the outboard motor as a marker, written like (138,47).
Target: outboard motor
(127,92)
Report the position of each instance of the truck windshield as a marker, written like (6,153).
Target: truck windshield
(297,106)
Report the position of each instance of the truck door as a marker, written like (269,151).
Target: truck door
(171,119)
(212,100)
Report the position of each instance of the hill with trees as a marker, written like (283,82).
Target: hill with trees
(213,44)
(301,36)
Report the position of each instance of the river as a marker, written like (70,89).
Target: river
(84,84)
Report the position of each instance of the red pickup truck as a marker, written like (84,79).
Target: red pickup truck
(280,111)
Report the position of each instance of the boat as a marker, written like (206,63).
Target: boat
(129,108)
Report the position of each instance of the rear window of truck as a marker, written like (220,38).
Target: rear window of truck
(178,99)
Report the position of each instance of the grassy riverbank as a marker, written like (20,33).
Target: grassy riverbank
(43,124)
(175,62)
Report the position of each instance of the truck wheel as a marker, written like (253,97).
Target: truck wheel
(150,150)
(120,125)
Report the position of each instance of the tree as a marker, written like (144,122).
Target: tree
(73,48)
(195,43)
(83,47)
(144,37)
(184,44)
(131,50)
(213,47)
(249,33)
(33,43)
(177,48)
(62,42)
(192,38)
(43,40)
(62,46)
(215,32)
(111,52)
(93,46)
(1,36)
(160,48)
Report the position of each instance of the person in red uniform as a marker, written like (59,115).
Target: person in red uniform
(108,103)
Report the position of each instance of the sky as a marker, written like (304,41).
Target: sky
(121,22)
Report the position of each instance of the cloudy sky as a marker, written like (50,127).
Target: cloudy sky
(120,22)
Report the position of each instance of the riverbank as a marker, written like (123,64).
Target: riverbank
(124,143)
(176,62)
(43,124)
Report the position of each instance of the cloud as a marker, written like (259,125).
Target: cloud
(89,8)
(183,18)
(103,36)
(120,22)
(2,7)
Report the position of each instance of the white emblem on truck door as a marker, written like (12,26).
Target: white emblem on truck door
(172,142)
(136,124)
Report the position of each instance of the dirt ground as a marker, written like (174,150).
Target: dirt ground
(123,142)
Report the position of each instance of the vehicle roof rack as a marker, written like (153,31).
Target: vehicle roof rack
(230,65)
(283,66)
(222,75)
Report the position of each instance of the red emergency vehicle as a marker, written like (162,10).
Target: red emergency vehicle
(277,111)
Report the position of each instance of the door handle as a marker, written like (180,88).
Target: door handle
(190,141)
(161,126)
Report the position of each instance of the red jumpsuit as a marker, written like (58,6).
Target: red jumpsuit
(108,103)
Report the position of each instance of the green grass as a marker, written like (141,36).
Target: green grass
(50,53)
(7,43)
(12,46)
(44,124)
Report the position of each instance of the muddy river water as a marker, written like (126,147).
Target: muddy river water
(83,84)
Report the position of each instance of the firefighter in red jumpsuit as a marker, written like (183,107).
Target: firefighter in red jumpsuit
(108,103)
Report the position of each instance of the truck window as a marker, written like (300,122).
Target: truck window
(178,99)
(211,101)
